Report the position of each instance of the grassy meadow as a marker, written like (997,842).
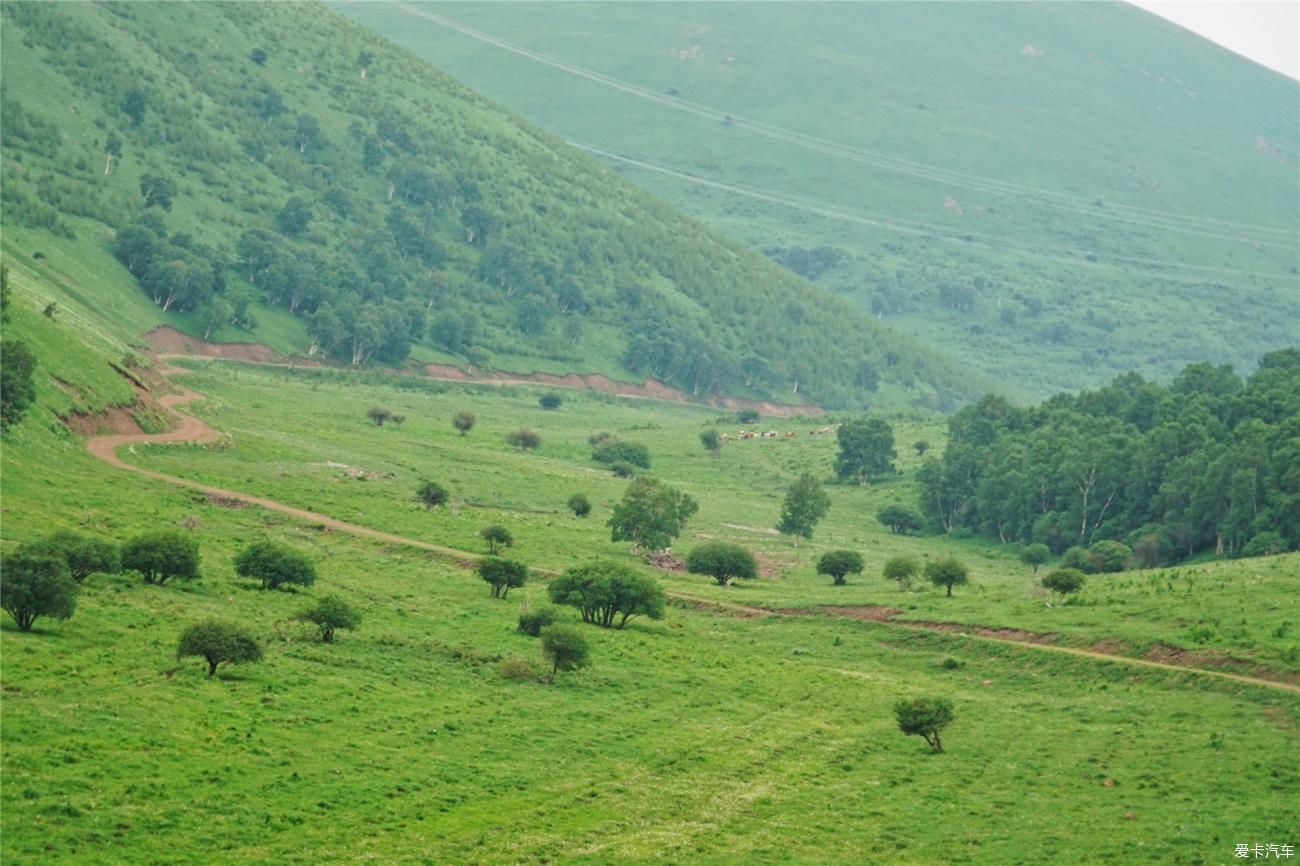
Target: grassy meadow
(701,738)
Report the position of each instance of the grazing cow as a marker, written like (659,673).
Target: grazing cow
(789,434)
(770,434)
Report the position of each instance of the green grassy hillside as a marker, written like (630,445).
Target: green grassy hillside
(1055,192)
(714,735)
(276,173)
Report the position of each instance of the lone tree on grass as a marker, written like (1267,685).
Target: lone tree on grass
(84,554)
(162,555)
(502,575)
(497,537)
(524,439)
(218,642)
(920,446)
(722,561)
(866,449)
(947,572)
(805,504)
(900,519)
(579,504)
(565,647)
(550,400)
(651,514)
(432,494)
(712,441)
(531,622)
(329,614)
(1064,581)
(611,451)
(606,591)
(1035,555)
(924,717)
(838,563)
(464,422)
(32,585)
(275,565)
(379,415)
(901,569)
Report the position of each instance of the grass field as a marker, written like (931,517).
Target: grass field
(701,738)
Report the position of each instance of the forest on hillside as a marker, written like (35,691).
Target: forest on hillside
(1208,464)
(274,156)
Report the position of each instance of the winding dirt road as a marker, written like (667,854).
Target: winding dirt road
(191,429)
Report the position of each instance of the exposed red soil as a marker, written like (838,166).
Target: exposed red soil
(1176,655)
(169,341)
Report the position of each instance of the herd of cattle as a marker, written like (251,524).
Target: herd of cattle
(775,434)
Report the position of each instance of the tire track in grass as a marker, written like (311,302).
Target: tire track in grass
(192,430)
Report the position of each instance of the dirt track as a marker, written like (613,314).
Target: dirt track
(190,429)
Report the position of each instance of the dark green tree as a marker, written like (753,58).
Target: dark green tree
(502,575)
(1064,581)
(524,439)
(900,519)
(924,717)
(565,647)
(162,555)
(330,614)
(217,643)
(464,422)
(866,449)
(497,537)
(133,105)
(550,400)
(275,565)
(157,190)
(531,622)
(722,560)
(920,446)
(1110,556)
(17,381)
(432,494)
(379,415)
(805,504)
(294,217)
(84,554)
(901,569)
(608,593)
(947,572)
(712,441)
(1035,555)
(611,451)
(838,563)
(651,514)
(579,504)
(33,585)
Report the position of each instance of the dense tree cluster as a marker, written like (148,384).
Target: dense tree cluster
(1207,463)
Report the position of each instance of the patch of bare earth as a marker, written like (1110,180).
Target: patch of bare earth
(666,561)
(721,609)
(169,341)
(226,501)
(1175,655)
(118,420)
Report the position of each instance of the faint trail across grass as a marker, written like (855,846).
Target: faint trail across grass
(191,429)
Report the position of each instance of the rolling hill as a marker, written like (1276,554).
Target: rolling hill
(274,173)
(1054,192)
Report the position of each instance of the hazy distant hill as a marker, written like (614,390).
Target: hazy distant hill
(1057,192)
(274,172)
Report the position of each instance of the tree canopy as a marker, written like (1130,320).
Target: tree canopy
(502,575)
(84,554)
(866,449)
(218,643)
(805,504)
(275,565)
(722,560)
(329,614)
(651,514)
(924,717)
(947,572)
(565,647)
(162,555)
(839,563)
(608,593)
(33,585)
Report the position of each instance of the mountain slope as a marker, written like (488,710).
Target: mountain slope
(1056,192)
(273,172)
